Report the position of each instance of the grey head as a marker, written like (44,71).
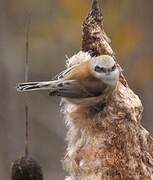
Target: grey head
(104,68)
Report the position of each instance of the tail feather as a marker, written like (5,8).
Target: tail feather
(33,86)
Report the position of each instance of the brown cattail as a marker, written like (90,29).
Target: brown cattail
(26,168)
(94,38)
(109,144)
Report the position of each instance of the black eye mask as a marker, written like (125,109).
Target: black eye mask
(100,69)
(104,70)
(113,68)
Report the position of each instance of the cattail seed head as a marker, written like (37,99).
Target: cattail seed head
(26,168)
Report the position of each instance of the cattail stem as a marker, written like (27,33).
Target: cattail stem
(27,132)
(26,168)
(26,80)
(27,49)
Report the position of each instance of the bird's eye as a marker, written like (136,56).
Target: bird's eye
(114,67)
(99,69)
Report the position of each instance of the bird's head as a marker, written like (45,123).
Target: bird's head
(104,68)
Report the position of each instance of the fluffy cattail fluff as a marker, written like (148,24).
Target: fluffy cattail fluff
(107,141)
(98,136)
(26,168)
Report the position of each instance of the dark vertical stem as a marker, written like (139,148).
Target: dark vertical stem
(26,79)
(27,132)
(27,50)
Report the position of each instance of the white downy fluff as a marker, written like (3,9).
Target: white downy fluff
(78,58)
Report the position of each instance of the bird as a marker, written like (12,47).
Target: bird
(90,79)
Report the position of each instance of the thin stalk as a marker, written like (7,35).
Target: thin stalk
(26,79)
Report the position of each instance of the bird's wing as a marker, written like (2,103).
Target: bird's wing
(63,74)
(78,82)
(71,89)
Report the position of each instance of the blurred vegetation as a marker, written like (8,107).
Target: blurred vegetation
(55,32)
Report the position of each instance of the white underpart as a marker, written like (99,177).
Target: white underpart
(78,58)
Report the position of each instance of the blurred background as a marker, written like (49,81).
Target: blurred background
(55,32)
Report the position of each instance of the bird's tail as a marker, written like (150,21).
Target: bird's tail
(35,86)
